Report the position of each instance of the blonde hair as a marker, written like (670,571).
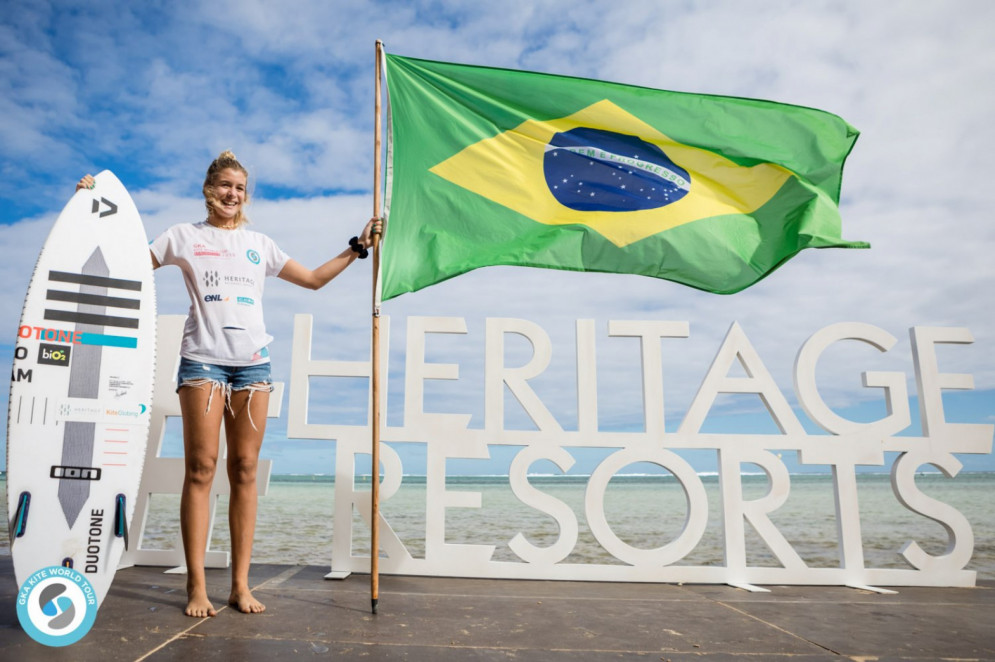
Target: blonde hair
(226,160)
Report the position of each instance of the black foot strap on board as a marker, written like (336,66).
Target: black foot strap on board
(20,523)
(120,521)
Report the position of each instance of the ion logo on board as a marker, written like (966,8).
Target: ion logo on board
(75,473)
(56,606)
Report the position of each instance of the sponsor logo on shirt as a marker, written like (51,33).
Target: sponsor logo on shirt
(253,256)
(203,250)
(210,298)
(239,281)
(246,301)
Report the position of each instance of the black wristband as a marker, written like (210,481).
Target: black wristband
(354,245)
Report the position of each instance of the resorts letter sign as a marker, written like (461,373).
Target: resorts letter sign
(845,445)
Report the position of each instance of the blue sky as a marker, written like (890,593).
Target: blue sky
(154,90)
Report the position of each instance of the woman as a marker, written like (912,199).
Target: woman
(224,369)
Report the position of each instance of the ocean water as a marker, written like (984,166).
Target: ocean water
(295,519)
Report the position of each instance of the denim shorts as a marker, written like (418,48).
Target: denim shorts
(228,377)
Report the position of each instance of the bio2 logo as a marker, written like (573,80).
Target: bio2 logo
(253,256)
(53,354)
(56,606)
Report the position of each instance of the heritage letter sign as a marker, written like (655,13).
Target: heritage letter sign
(847,445)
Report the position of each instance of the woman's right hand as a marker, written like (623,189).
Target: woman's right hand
(86,182)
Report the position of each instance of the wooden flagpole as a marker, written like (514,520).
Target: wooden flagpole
(375,359)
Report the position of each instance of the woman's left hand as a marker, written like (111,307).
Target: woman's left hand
(87,181)
(373,227)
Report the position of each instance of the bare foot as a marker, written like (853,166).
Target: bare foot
(198,606)
(245,602)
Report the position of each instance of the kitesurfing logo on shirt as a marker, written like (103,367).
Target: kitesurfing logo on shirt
(253,256)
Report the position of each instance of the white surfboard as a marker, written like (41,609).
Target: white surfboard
(81,389)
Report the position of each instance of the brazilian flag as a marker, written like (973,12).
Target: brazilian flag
(502,167)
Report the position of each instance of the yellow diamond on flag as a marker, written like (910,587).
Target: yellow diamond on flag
(605,168)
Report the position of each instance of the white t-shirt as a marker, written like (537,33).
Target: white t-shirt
(224,271)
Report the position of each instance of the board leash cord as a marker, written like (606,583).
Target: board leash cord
(120,522)
(21,514)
